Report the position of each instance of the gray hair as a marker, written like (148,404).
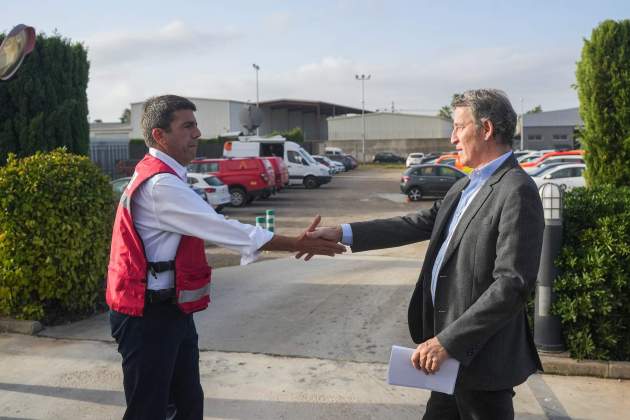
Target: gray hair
(493,105)
(158,113)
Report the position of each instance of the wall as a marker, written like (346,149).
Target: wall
(546,137)
(401,147)
(214,117)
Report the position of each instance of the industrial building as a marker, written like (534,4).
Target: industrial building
(550,129)
(220,117)
(389,132)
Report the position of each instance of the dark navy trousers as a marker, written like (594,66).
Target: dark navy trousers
(160,362)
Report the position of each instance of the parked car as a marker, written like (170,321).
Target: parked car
(548,155)
(281,171)
(452,159)
(569,175)
(246,178)
(336,167)
(119,185)
(384,157)
(216,193)
(346,160)
(554,160)
(303,169)
(271,174)
(414,159)
(426,180)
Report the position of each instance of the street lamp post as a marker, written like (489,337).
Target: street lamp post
(522,124)
(363,78)
(257,68)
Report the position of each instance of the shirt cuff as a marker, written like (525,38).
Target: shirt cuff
(260,237)
(346,237)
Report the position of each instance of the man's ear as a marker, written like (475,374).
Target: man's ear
(488,129)
(158,135)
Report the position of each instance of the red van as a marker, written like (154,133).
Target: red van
(246,178)
(281,170)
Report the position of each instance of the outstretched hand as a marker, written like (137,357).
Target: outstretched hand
(330,236)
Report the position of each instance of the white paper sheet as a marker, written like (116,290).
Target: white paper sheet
(401,372)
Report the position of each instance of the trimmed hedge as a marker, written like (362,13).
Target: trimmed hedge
(55,231)
(593,291)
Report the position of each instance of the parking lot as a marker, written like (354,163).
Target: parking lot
(360,194)
(284,339)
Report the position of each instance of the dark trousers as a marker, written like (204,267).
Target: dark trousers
(468,404)
(160,362)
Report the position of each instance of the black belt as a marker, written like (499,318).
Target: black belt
(160,267)
(160,296)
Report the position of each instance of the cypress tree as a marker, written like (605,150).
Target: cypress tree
(603,83)
(44,105)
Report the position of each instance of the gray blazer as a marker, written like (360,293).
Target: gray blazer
(487,274)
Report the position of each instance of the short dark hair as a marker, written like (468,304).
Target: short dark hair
(158,111)
(493,105)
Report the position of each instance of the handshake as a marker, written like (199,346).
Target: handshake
(319,241)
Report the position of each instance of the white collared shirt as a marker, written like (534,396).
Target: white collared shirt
(164,208)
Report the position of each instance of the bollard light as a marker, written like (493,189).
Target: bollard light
(547,327)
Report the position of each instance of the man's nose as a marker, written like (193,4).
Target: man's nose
(454,139)
(197,133)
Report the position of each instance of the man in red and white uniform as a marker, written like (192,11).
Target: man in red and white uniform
(158,275)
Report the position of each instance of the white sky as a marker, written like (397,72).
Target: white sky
(418,53)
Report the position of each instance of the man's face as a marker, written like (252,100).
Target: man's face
(467,137)
(181,141)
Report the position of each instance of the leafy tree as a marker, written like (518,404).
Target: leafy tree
(446,112)
(44,105)
(535,110)
(294,134)
(126,116)
(603,84)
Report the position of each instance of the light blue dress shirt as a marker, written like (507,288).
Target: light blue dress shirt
(478,178)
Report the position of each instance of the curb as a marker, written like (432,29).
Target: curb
(562,364)
(553,363)
(20,326)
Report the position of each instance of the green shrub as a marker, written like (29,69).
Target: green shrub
(603,84)
(55,230)
(44,105)
(593,291)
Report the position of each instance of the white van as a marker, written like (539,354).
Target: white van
(303,169)
(333,151)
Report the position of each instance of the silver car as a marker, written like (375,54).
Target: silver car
(217,193)
(569,175)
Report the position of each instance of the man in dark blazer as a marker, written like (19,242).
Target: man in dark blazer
(479,269)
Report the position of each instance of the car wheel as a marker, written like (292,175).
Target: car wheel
(414,194)
(238,197)
(310,182)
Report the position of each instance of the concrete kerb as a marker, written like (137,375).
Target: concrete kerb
(20,326)
(555,364)
(562,364)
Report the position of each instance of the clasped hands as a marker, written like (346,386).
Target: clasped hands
(319,241)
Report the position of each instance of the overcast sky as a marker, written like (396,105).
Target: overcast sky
(418,53)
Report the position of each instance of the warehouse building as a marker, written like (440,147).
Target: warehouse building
(220,117)
(389,132)
(550,129)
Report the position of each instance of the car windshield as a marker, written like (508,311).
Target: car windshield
(542,169)
(213,181)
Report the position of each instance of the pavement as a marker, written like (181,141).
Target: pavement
(283,339)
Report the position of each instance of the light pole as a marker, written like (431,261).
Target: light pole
(363,78)
(256,67)
(521,123)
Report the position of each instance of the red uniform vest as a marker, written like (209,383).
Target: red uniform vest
(128,265)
